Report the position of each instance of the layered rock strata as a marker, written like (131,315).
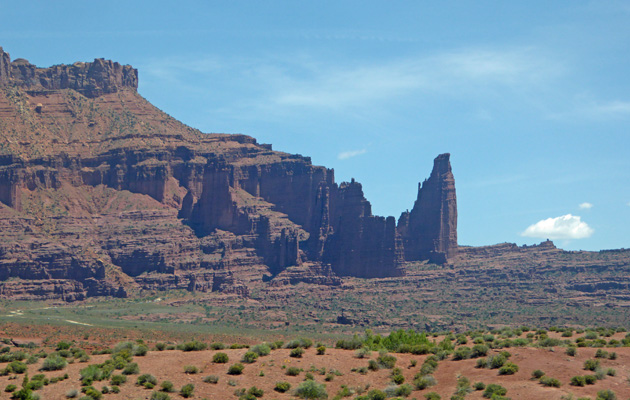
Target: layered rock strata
(103,194)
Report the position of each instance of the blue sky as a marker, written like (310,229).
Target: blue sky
(532,99)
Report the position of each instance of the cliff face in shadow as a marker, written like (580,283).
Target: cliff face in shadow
(101,193)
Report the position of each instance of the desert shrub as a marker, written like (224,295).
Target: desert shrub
(25,394)
(159,396)
(398,379)
(146,378)
(549,342)
(93,394)
(211,379)
(494,390)
(590,379)
(508,369)
(167,386)
(479,386)
(187,390)
(601,354)
(374,394)
(135,349)
(118,380)
(385,360)
(297,352)
(17,367)
(293,371)
(403,390)
(54,362)
(612,356)
(600,374)
(131,369)
(578,381)
(363,352)
(571,351)
(256,392)
(120,362)
(591,365)
(606,395)
(423,382)
(350,344)
(591,335)
(282,387)
(63,345)
(236,369)
(301,342)
(160,346)
(479,350)
(321,350)
(461,339)
(311,390)
(373,365)
(496,361)
(194,345)
(250,357)
(462,353)
(537,374)
(262,349)
(550,382)
(217,346)
(611,372)
(432,396)
(220,358)
(10,388)
(190,369)
(37,382)
(72,393)
(94,372)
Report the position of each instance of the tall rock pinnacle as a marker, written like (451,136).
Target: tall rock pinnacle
(429,231)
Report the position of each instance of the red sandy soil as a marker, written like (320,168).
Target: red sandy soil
(169,365)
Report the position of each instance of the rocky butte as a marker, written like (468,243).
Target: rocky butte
(103,194)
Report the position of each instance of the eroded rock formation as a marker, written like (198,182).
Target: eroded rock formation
(103,194)
(429,231)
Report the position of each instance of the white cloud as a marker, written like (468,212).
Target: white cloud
(349,154)
(563,227)
(586,206)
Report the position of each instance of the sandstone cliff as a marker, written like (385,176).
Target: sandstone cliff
(103,194)
(429,231)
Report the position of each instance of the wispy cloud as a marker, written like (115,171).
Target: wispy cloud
(349,154)
(594,110)
(304,81)
(586,206)
(563,227)
(455,73)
